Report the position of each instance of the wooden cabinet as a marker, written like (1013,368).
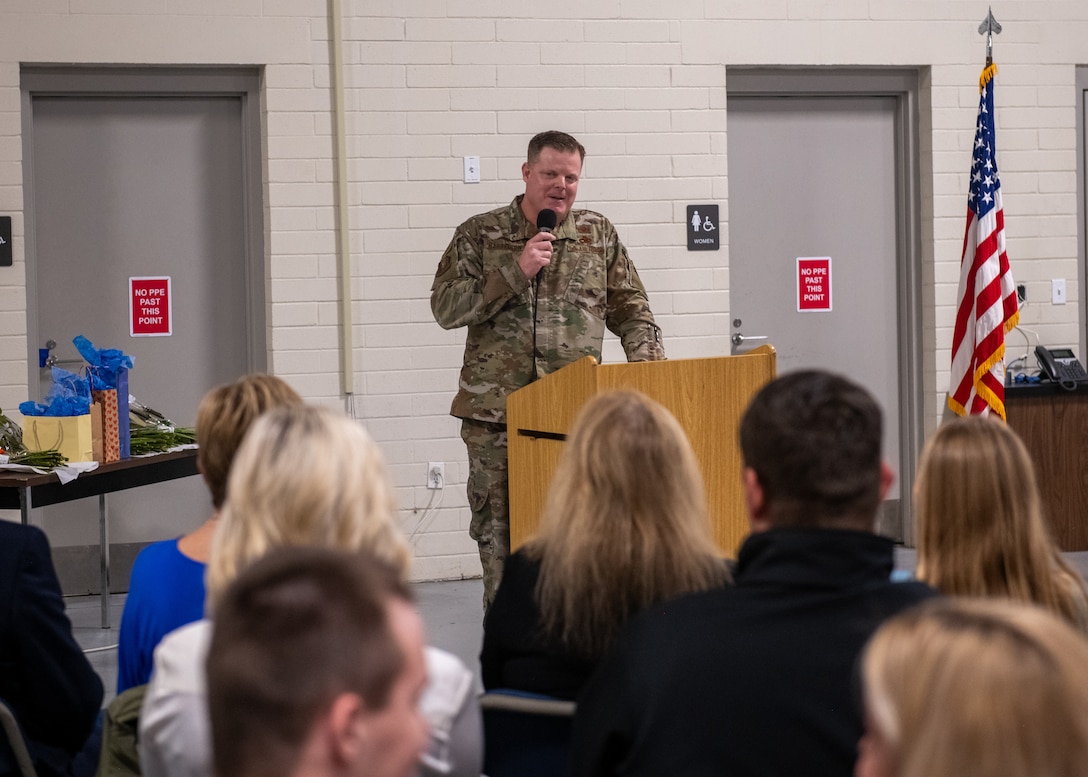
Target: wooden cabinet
(1053,423)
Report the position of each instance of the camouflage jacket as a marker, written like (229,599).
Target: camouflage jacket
(590,284)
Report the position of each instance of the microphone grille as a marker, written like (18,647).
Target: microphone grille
(546,220)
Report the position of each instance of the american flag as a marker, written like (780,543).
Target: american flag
(987,296)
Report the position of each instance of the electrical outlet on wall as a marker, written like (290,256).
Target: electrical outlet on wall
(436,475)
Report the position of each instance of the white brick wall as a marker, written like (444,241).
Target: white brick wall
(642,84)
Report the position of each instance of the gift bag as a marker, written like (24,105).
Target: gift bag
(70,394)
(109,370)
(110,432)
(63,421)
(96,432)
(123,426)
(71,435)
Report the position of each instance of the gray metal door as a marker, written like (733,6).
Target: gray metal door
(816,176)
(126,185)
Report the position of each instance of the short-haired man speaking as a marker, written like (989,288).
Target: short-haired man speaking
(536,283)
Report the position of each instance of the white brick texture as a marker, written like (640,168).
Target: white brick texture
(640,82)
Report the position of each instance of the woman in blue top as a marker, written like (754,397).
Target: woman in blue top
(166,589)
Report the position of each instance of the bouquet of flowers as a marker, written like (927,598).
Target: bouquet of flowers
(152,432)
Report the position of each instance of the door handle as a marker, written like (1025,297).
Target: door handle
(738,338)
(46,357)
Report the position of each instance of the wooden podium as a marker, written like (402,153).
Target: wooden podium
(707,396)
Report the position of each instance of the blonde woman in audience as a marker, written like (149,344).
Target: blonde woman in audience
(304,476)
(981,529)
(166,587)
(625,526)
(976,687)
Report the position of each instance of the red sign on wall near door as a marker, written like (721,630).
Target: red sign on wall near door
(813,283)
(150,307)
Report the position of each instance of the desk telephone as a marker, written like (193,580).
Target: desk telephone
(1059,364)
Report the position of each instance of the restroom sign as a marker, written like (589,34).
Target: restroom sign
(813,283)
(703,227)
(149,311)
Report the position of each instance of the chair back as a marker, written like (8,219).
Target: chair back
(16,744)
(525,735)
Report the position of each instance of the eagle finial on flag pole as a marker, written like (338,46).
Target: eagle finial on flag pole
(989,28)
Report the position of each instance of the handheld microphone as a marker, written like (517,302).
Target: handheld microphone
(546,220)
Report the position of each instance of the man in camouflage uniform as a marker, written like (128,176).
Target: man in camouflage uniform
(533,302)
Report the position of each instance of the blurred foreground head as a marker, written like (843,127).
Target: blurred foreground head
(315,668)
(988,688)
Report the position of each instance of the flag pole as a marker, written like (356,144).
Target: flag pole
(987,307)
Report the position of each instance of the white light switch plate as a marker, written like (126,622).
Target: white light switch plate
(472,169)
(1057,290)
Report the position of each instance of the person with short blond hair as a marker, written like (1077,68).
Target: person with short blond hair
(625,526)
(986,688)
(166,586)
(981,527)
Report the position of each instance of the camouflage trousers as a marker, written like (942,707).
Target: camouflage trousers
(488,498)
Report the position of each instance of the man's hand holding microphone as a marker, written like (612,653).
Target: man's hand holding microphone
(537,253)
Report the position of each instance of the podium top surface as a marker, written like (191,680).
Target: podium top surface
(684,386)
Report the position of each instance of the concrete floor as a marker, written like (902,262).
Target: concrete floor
(451,609)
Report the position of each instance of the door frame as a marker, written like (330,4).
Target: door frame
(1082,202)
(902,84)
(134,82)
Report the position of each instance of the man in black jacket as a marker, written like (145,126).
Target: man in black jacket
(759,679)
(44,676)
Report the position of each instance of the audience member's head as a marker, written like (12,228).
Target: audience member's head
(981,530)
(224,416)
(987,688)
(305,476)
(625,524)
(811,444)
(315,668)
